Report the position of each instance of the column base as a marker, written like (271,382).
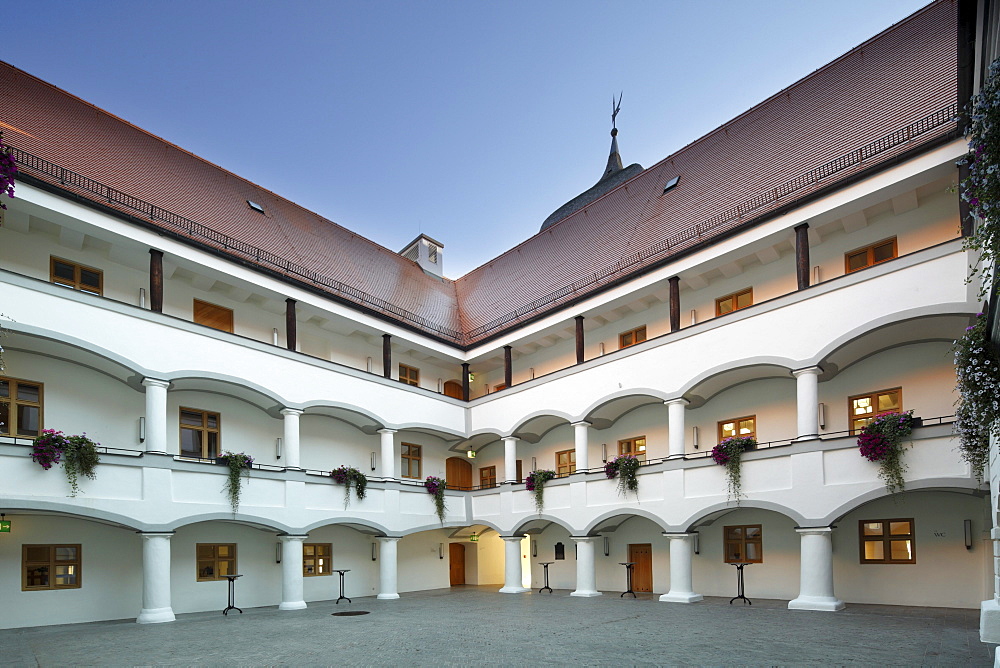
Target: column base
(681,597)
(292,605)
(805,437)
(821,603)
(513,590)
(155,616)
(989,621)
(387,597)
(586,593)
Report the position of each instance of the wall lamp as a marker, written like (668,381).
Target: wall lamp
(274,336)
(374,551)
(607,546)
(534,548)
(373,461)
(142,430)
(968,534)
(277,448)
(696,543)
(277,552)
(694,437)
(604,452)
(821,415)
(440,550)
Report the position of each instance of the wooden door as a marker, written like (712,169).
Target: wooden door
(458,473)
(456,552)
(642,572)
(453,389)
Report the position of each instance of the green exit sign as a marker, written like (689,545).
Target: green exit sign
(5,526)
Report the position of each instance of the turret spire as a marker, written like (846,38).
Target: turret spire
(615,159)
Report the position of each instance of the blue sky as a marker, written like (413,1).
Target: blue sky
(467,121)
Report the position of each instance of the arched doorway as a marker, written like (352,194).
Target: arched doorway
(453,389)
(458,473)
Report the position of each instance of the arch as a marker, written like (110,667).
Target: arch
(533,427)
(709,514)
(354,522)
(627,513)
(722,377)
(609,409)
(228,385)
(38,507)
(521,527)
(254,521)
(957,486)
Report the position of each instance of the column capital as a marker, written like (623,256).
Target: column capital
(808,371)
(155,534)
(388,539)
(513,538)
(510,438)
(288,538)
(583,539)
(680,401)
(387,431)
(814,531)
(679,535)
(291,411)
(581,423)
(155,382)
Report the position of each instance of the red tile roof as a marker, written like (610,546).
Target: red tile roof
(787,148)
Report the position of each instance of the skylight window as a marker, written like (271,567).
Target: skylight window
(256,207)
(671,183)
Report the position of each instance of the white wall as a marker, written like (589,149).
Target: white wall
(351,550)
(420,563)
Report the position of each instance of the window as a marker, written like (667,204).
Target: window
(409,375)
(887,542)
(743,544)
(863,407)
(744,426)
(410,461)
(565,463)
(869,255)
(50,567)
(734,302)
(633,446)
(211,315)
(76,276)
(216,561)
(20,408)
(632,337)
(488,477)
(317,559)
(199,433)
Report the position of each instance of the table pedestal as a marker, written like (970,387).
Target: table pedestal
(342,597)
(232,594)
(545,565)
(739,586)
(629,565)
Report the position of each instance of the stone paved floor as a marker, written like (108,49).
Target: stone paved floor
(476,625)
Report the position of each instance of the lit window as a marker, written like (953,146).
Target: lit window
(565,462)
(887,541)
(216,561)
(734,302)
(199,433)
(410,461)
(50,567)
(632,337)
(212,315)
(864,407)
(743,544)
(20,408)
(409,375)
(870,255)
(488,477)
(743,427)
(633,446)
(76,276)
(317,559)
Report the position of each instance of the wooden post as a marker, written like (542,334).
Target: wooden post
(465,381)
(966,59)
(802,255)
(156,280)
(675,303)
(508,371)
(387,355)
(290,334)
(579,339)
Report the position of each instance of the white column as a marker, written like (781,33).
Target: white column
(816,576)
(291,573)
(510,459)
(512,574)
(291,446)
(387,568)
(156,414)
(155,579)
(681,589)
(807,401)
(586,575)
(388,463)
(675,426)
(580,438)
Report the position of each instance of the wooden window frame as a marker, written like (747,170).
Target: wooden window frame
(735,297)
(215,577)
(76,283)
(874,397)
(223,310)
(886,540)
(409,457)
(870,255)
(631,444)
(634,335)
(325,550)
(409,375)
(10,426)
(737,421)
(759,541)
(572,463)
(204,430)
(487,477)
(51,563)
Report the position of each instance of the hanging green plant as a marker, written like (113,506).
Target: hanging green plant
(729,453)
(80,458)
(625,467)
(535,483)
(239,464)
(435,486)
(881,441)
(348,476)
(977,410)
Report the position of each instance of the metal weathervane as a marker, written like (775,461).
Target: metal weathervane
(615,108)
